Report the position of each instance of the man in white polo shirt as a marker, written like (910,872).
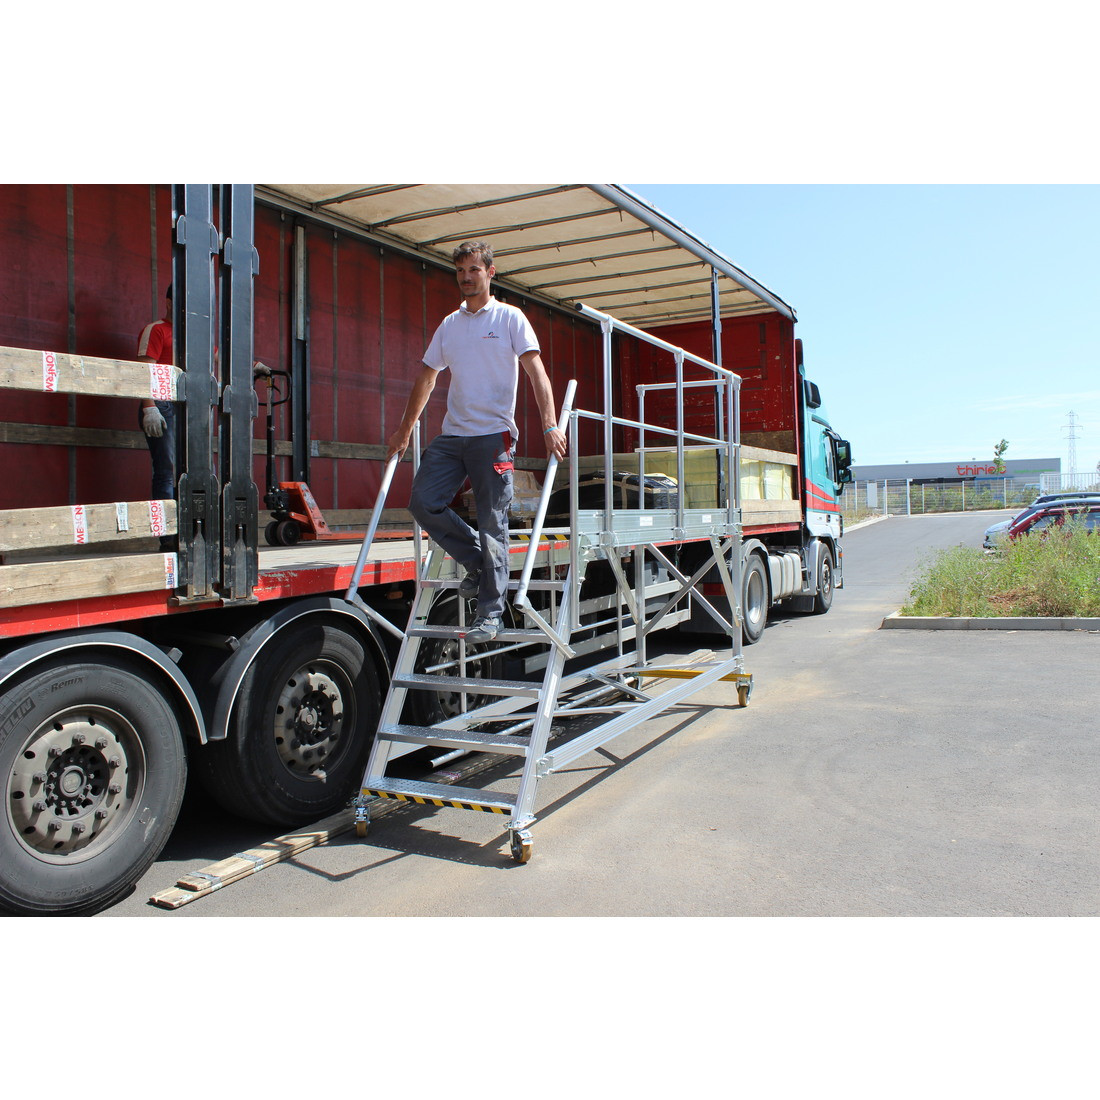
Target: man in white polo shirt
(483,343)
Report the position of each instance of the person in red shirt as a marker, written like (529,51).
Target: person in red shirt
(158,418)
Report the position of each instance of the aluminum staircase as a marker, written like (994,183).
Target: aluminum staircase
(548,723)
(525,707)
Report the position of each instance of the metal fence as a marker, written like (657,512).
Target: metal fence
(864,499)
(1070,483)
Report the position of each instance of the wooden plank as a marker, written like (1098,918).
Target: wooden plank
(204,882)
(754,512)
(64,435)
(82,524)
(24,584)
(59,372)
(764,454)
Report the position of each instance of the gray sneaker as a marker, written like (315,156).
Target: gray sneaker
(470,584)
(483,630)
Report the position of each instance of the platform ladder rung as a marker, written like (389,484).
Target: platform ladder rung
(506,635)
(475,740)
(474,684)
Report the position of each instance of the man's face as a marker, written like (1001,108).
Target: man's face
(473,276)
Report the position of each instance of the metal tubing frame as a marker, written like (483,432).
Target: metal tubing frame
(609,676)
(726,385)
(723,380)
(520,600)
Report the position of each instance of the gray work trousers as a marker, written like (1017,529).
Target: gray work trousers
(487,460)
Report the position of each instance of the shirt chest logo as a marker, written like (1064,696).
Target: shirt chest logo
(490,336)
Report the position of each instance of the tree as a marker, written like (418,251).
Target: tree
(999,466)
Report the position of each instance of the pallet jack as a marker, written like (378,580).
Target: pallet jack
(295,515)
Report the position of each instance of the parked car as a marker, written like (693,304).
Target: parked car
(1049,517)
(989,542)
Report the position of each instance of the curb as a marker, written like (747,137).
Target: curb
(897,621)
(864,523)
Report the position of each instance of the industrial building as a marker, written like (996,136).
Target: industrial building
(1027,470)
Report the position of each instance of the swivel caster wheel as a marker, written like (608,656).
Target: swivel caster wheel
(521,845)
(744,692)
(362,821)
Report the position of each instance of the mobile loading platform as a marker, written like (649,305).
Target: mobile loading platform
(523,717)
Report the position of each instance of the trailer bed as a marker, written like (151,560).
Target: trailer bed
(97,589)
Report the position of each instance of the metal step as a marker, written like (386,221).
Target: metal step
(521,688)
(457,739)
(454,582)
(518,635)
(437,794)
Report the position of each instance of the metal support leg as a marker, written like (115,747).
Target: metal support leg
(199,508)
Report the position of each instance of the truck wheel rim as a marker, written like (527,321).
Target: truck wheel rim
(75,783)
(311,717)
(755,598)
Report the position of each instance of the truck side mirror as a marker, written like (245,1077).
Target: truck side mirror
(813,394)
(843,460)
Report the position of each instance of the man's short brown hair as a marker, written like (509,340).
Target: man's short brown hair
(474,248)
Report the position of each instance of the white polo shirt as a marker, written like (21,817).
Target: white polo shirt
(482,350)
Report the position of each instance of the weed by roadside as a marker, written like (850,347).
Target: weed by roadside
(1057,575)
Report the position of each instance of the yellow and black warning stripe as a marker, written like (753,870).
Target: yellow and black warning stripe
(423,801)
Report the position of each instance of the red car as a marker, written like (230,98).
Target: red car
(1055,515)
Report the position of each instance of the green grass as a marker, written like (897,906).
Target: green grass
(1058,575)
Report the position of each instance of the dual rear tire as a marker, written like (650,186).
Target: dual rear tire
(305,718)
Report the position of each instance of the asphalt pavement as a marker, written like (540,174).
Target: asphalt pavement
(874,773)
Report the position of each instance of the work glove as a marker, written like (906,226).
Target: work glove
(152,422)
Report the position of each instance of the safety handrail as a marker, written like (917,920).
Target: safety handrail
(352,595)
(520,600)
(725,382)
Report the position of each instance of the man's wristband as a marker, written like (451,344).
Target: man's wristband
(547,431)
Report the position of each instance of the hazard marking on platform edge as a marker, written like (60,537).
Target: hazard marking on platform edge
(424,801)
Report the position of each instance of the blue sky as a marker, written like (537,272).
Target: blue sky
(937,319)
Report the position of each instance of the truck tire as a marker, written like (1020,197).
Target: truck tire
(301,730)
(825,586)
(754,599)
(94,767)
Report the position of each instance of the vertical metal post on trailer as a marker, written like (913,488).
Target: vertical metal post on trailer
(719,405)
(299,360)
(199,498)
(239,404)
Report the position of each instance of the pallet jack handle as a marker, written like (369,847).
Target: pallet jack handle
(270,402)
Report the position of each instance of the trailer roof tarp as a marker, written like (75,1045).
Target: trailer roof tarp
(564,243)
